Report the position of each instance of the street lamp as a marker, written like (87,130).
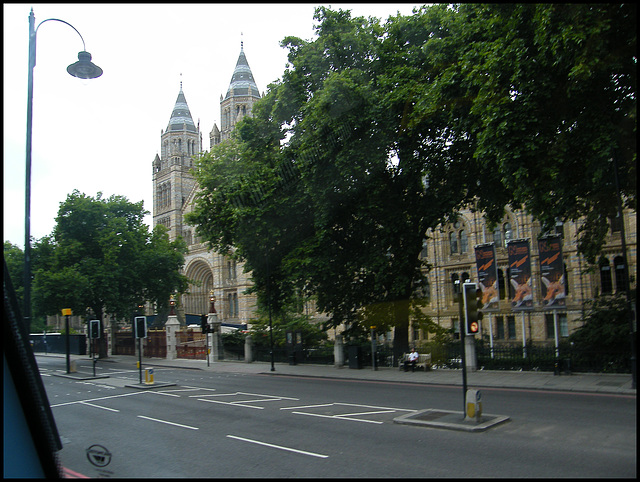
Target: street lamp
(82,69)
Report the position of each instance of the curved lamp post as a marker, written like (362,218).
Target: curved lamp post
(83,69)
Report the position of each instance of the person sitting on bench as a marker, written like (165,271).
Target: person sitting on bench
(412,359)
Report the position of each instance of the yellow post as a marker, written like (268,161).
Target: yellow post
(148,376)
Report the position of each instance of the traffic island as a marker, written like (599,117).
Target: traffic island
(148,386)
(451,420)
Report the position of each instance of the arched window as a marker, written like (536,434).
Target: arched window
(453,242)
(605,276)
(618,263)
(497,237)
(508,234)
(464,241)
(502,289)
(425,249)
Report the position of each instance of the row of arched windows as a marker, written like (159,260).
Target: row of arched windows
(176,147)
(228,117)
(607,278)
(163,195)
(459,240)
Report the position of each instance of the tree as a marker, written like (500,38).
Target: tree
(102,259)
(377,133)
(549,94)
(603,339)
(14,257)
(340,208)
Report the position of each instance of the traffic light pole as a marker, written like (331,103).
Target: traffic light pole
(140,359)
(458,289)
(93,354)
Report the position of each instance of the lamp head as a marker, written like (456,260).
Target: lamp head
(84,68)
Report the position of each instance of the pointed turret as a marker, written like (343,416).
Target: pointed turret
(181,116)
(242,82)
(238,103)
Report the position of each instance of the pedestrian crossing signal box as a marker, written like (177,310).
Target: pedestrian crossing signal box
(140,326)
(94,329)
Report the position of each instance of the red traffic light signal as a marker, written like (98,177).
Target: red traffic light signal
(472,298)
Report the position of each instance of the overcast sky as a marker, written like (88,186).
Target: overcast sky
(103,134)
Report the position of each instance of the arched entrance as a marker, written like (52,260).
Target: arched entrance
(201,278)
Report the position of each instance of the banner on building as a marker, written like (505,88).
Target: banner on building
(488,276)
(552,272)
(520,274)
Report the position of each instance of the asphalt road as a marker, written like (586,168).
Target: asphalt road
(246,425)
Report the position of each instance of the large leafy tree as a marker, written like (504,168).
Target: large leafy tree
(102,258)
(319,189)
(549,94)
(377,133)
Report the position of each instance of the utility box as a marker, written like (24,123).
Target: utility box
(474,405)
(148,376)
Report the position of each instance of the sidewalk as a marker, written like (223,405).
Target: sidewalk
(576,382)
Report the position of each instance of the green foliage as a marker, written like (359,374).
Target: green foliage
(377,133)
(312,333)
(548,96)
(14,258)
(101,257)
(606,327)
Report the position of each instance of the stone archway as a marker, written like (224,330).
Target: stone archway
(201,276)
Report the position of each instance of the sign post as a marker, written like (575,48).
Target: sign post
(140,327)
(66,312)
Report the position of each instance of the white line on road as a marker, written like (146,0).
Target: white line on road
(228,403)
(337,417)
(346,415)
(307,406)
(168,423)
(373,406)
(98,406)
(312,454)
(95,399)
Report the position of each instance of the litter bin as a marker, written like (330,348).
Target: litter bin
(355,357)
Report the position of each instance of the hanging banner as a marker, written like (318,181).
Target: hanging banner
(487,276)
(520,274)
(552,272)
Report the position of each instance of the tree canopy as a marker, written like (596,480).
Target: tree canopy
(102,258)
(378,132)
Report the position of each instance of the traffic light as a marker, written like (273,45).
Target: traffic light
(203,324)
(472,297)
(94,329)
(140,326)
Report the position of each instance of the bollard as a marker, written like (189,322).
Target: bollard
(474,405)
(148,376)
(73,368)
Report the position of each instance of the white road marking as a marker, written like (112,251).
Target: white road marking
(168,423)
(303,452)
(373,406)
(98,406)
(229,403)
(96,399)
(337,417)
(307,406)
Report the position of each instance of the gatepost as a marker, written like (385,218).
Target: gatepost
(216,338)
(172,325)
(248,349)
(338,352)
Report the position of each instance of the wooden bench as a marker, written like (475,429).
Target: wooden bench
(423,362)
